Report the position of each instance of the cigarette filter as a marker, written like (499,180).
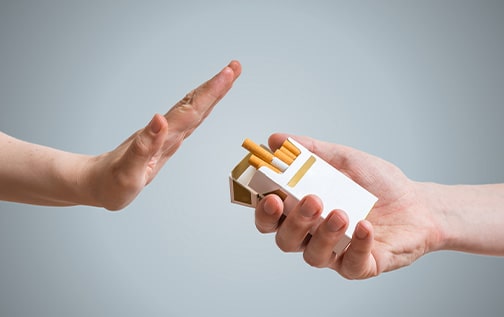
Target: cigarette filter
(305,174)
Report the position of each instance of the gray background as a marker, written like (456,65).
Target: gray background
(419,83)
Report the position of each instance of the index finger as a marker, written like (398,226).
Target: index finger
(268,214)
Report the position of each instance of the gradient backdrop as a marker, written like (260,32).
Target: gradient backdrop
(419,83)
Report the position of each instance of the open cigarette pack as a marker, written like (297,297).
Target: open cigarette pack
(293,172)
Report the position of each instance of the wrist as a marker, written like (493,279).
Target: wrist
(434,207)
(106,183)
(75,171)
(92,179)
(468,218)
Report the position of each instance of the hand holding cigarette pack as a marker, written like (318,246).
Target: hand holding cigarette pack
(292,172)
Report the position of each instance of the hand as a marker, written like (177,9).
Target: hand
(117,177)
(398,230)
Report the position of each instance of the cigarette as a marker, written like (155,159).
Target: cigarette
(284,157)
(287,152)
(264,155)
(257,163)
(291,147)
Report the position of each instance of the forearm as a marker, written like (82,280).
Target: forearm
(470,217)
(35,174)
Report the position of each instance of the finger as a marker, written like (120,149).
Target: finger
(291,235)
(319,252)
(268,214)
(189,112)
(144,149)
(358,262)
(276,140)
(335,154)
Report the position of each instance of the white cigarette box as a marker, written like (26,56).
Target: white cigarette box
(307,174)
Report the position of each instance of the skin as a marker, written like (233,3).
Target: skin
(35,174)
(409,220)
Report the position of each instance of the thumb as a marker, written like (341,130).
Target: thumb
(337,155)
(145,146)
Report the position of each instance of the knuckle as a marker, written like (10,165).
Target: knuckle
(262,228)
(350,275)
(186,116)
(314,260)
(285,245)
(188,98)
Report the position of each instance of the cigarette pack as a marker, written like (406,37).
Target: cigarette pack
(304,174)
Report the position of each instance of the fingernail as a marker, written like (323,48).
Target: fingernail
(155,125)
(335,223)
(269,207)
(306,210)
(360,232)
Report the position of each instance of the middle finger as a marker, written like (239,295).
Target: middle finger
(292,233)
